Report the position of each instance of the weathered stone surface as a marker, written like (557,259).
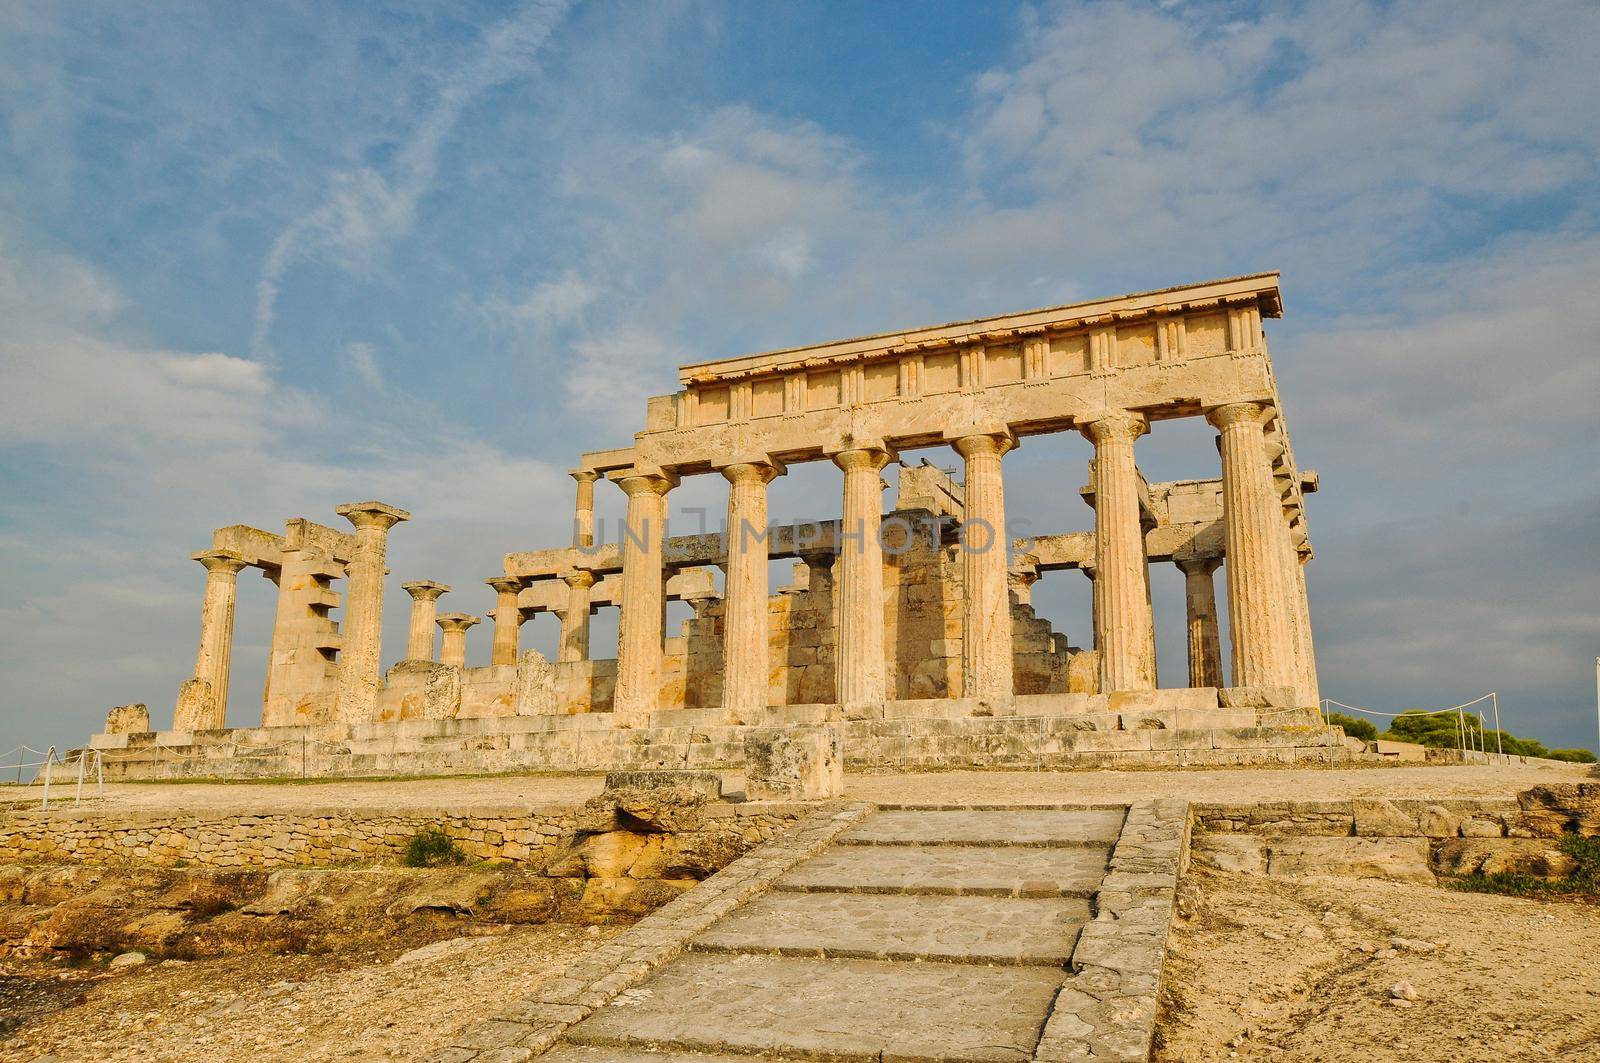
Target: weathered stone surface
(1383,819)
(797,763)
(806,1007)
(1039,827)
(1401,859)
(128,719)
(1004,930)
(1573,808)
(1232,852)
(1521,856)
(955,869)
(707,782)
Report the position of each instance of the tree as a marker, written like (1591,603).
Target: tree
(1355,728)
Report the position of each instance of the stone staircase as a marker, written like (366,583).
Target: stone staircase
(899,933)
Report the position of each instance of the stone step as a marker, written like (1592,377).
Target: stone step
(830,1009)
(999,930)
(623,1054)
(971,870)
(1038,827)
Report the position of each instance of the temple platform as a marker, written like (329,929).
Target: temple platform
(1160,728)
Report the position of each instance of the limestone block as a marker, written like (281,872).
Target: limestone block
(707,782)
(1383,819)
(1231,852)
(1549,810)
(1520,856)
(1083,672)
(128,719)
(1399,859)
(1437,821)
(428,690)
(1408,751)
(535,685)
(804,763)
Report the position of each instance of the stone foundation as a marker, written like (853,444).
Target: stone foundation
(1144,729)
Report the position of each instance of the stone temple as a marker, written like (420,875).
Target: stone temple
(905,638)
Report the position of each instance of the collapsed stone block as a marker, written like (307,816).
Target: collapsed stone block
(128,719)
(794,763)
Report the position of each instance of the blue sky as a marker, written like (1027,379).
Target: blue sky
(257,260)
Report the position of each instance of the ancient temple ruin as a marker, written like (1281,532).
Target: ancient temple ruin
(921,616)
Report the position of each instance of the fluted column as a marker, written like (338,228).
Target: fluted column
(1258,626)
(360,673)
(1126,635)
(583,512)
(1306,663)
(206,707)
(575,621)
(746,666)
(507,619)
(860,650)
(986,633)
(1205,643)
(453,647)
(639,630)
(424,609)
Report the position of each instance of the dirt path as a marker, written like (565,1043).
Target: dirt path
(380,1005)
(463,794)
(1301,972)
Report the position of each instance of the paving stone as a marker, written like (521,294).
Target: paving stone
(954,869)
(1040,826)
(615,1054)
(814,1008)
(904,926)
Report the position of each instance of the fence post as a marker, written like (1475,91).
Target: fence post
(78,797)
(100,773)
(49,758)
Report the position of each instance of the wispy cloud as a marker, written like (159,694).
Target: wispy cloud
(363,210)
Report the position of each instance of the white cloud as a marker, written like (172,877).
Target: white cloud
(363,210)
(362,360)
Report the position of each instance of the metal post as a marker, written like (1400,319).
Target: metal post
(22,754)
(48,759)
(78,797)
(100,773)
(1494,699)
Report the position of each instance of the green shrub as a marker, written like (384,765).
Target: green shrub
(432,848)
(1577,756)
(1355,728)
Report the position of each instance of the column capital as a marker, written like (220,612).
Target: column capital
(225,562)
(372,514)
(1236,412)
(752,470)
(1123,427)
(579,577)
(1203,565)
(456,621)
(999,441)
(584,476)
(872,456)
(424,590)
(505,584)
(638,481)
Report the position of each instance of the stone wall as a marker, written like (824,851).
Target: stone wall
(337,836)
(1414,841)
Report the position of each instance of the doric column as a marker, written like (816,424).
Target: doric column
(1205,644)
(424,608)
(360,674)
(575,621)
(819,573)
(209,707)
(639,630)
(746,669)
(1091,573)
(507,619)
(453,649)
(1306,663)
(1258,625)
(860,650)
(1126,636)
(583,513)
(986,634)
(1020,583)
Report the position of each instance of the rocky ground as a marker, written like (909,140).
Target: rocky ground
(1361,971)
(463,795)
(393,1001)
